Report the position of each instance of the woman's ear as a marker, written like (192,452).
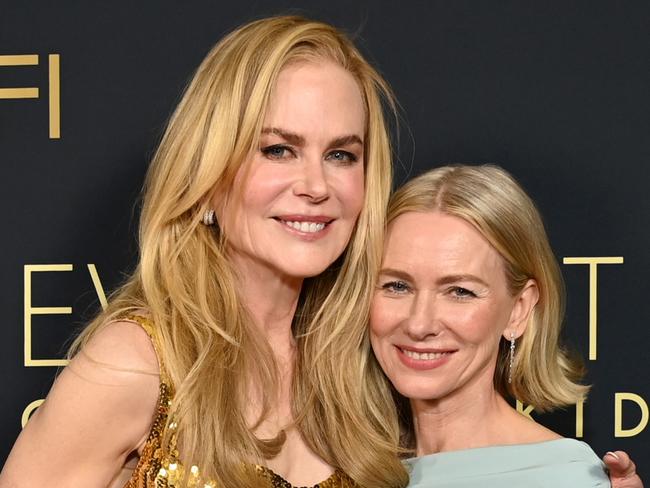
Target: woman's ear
(522,308)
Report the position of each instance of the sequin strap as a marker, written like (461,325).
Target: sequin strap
(152,470)
(148,327)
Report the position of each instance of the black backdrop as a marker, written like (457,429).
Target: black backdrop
(555,91)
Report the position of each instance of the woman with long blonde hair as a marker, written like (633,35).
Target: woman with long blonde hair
(235,336)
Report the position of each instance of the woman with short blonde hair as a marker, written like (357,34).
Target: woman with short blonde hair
(466,315)
(543,374)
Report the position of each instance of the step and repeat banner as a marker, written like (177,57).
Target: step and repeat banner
(555,92)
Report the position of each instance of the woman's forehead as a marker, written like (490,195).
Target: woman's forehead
(313,97)
(427,241)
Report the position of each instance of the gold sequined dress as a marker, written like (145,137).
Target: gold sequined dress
(158,466)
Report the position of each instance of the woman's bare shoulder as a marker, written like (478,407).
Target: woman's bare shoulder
(124,345)
(98,412)
(527,431)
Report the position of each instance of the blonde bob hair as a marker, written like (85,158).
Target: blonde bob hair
(211,351)
(488,197)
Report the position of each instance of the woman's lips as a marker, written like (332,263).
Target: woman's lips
(423,359)
(305,226)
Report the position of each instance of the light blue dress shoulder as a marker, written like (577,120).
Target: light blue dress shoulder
(561,463)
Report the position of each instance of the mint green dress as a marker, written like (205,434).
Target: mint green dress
(562,463)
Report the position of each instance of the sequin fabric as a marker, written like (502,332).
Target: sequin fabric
(337,480)
(158,466)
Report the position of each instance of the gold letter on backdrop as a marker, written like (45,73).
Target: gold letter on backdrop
(19,60)
(580,412)
(619,431)
(99,289)
(30,310)
(593,295)
(55,95)
(54,91)
(525,411)
(28,411)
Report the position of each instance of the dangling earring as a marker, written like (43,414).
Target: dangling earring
(512,356)
(208,217)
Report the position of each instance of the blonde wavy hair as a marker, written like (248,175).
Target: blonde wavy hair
(488,197)
(209,346)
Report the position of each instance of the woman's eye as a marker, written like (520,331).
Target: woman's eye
(460,292)
(344,157)
(396,287)
(277,151)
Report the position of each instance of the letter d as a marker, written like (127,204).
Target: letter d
(618,415)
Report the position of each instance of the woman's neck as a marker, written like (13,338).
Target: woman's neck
(472,416)
(271,300)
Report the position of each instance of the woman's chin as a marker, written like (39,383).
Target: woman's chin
(418,390)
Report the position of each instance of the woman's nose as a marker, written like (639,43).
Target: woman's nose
(312,183)
(423,320)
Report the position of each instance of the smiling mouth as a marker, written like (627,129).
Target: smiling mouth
(309,227)
(424,356)
(305,226)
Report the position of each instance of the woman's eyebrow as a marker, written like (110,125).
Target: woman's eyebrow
(298,140)
(346,140)
(290,137)
(455,278)
(396,273)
